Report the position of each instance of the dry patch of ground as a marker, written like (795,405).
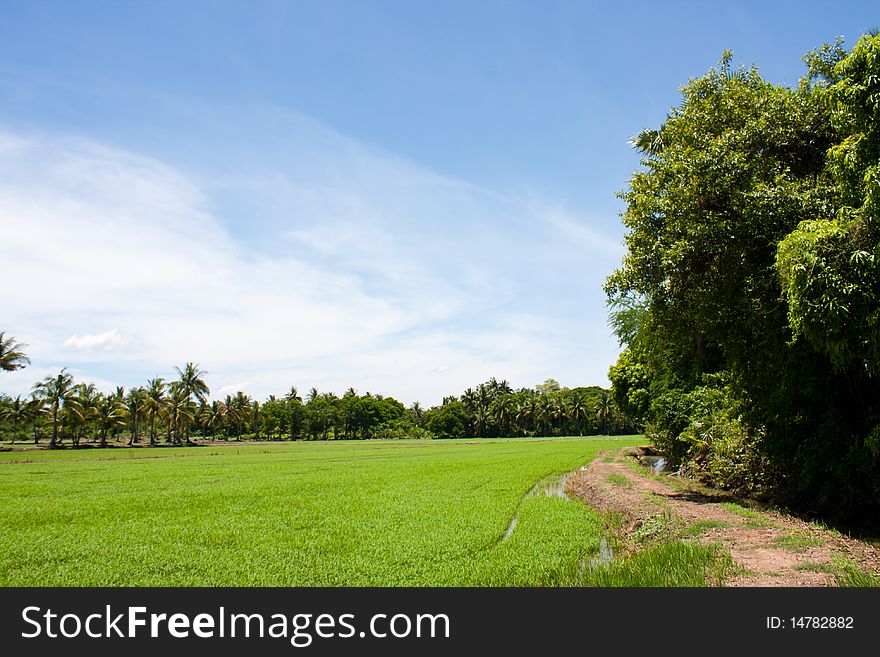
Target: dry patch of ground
(771,549)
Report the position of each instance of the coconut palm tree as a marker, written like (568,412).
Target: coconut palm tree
(15,412)
(255,418)
(36,408)
(181,410)
(604,410)
(154,404)
(559,412)
(502,412)
(577,411)
(522,416)
(136,405)
(193,382)
(12,355)
(213,417)
(56,391)
(85,401)
(109,414)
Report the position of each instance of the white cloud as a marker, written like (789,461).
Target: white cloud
(106,341)
(372,273)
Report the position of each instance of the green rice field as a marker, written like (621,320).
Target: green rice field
(367,513)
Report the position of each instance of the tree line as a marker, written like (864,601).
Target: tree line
(748,300)
(177,411)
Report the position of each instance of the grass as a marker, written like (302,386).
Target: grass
(757,523)
(741,511)
(850,576)
(676,563)
(618,480)
(797,541)
(390,513)
(700,527)
(815,567)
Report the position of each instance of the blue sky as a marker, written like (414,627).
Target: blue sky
(403,197)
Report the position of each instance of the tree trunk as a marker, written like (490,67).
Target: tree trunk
(54,440)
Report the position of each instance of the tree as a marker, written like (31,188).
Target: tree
(136,405)
(214,416)
(192,381)
(751,275)
(192,384)
(85,398)
(56,391)
(577,411)
(549,385)
(181,411)
(450,420)
(109,413)
(16,413)
(12,356)
(503,412)
(604,410)
(154,404)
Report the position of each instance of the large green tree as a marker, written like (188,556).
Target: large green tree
(752,254)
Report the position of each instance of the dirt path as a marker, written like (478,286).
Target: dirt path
(772,549)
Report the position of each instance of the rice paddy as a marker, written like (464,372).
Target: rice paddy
(369,513)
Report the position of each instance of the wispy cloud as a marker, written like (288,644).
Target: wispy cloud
(369,271)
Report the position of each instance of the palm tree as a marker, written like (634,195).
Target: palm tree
(255,418)
(36,407)
(191,378)
(155,404)
(136,404)
(85,404)
(213,416)
(193,383)
(559,412)
(110,413)
(604,409)
(180,409)
(293,395)
(12,356)
(522,416)
(313,394)
(56,391)
(648,142)
(15,411)
(577,411)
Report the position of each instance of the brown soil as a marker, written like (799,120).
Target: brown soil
(769,546)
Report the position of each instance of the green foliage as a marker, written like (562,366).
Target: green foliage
(449,421)
(753,254)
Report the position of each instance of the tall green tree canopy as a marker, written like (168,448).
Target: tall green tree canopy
(753,256)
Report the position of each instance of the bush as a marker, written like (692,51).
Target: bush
(703,432)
